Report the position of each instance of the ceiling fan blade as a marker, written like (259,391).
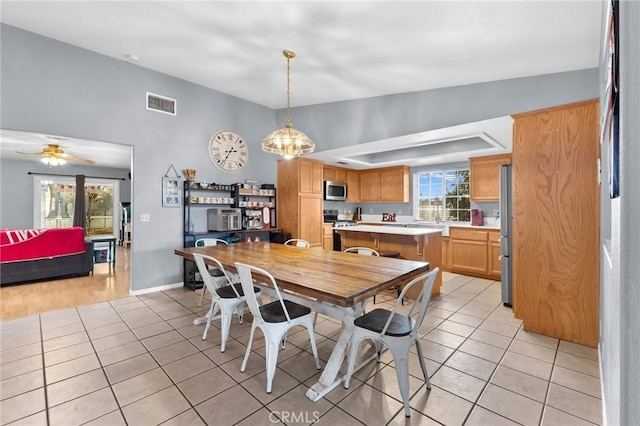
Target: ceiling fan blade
(74,158)
(40,154)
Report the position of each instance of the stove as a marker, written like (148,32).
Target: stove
(344,223)
(331,216)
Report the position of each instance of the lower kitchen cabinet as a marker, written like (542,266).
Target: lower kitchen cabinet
(327,236)
(473,251)
(495,266)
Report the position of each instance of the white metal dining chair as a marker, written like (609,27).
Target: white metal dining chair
(298,242)
(226,297)
(362,250)
(204,242)
(274,319)
(369,252)
(396,331)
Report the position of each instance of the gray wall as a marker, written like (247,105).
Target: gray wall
(620,292)
(52,87)
(336,124)
(55,88)
(16,207)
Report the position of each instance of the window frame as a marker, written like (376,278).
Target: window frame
(444,210)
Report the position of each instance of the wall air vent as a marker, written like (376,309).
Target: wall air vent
(161,104)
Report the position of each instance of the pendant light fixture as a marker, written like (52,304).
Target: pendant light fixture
(288,141)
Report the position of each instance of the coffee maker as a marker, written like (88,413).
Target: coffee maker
(253,219)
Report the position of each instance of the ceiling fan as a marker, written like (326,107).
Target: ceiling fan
(52,155)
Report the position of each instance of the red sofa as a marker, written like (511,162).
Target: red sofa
(39,254)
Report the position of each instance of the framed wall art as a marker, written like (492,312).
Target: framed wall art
(171,189)
(609,111)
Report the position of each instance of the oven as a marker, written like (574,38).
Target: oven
(331,216)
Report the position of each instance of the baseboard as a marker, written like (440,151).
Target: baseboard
(604,405)
(155,289)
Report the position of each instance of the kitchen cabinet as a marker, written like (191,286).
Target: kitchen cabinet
(468,250)
(556,233)
(327,236)
(474,251)
(369,186)
(495,266)
(445,254)
(484,176)
(353,186)
(335,174)
(299,198)
(389,184)
(309,176)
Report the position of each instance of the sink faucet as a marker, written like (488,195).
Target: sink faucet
(437,219)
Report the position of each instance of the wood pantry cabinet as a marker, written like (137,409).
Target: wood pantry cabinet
(388,184)
(484,176)
(473,251)
(299,199)
(556,233)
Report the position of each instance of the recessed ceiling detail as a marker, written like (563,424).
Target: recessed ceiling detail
(448,145)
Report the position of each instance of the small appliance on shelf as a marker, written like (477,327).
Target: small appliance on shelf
(253,219)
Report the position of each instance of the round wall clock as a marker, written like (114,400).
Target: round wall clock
(228,151)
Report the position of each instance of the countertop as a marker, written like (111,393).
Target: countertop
(395,230)
(444,227)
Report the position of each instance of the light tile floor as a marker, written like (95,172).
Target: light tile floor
(141,361)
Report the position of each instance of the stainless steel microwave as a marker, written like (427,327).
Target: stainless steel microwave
(335,191)
(224,219)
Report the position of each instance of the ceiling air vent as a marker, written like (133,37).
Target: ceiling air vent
(161,104)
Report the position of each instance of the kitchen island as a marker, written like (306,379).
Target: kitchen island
(422,244)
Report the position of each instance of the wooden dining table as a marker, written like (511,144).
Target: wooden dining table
(332,283)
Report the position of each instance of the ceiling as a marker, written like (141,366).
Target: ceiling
(345,50)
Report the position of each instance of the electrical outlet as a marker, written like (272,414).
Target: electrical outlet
(496,213)
(145,217)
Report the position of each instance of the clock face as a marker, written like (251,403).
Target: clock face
(228,151)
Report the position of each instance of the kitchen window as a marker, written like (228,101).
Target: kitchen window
(442,196)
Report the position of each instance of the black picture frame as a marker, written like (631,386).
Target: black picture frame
(609,112)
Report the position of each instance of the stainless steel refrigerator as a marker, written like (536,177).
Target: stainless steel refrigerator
(506,224)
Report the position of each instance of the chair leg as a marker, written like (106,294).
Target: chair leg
(271,351)
(402,372)
(248,351)
(210,316)
(225,324)
(239,310)
(423,365)
(399,290)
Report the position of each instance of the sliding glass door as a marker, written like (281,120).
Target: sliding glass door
(54,202)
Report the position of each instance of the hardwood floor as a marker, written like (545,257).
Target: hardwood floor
(35,298)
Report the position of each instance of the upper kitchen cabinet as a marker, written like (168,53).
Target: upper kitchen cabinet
(389,184)
(299,198)
(335,174)
(350,176)
(485,176)
(353,185)
(310,176)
